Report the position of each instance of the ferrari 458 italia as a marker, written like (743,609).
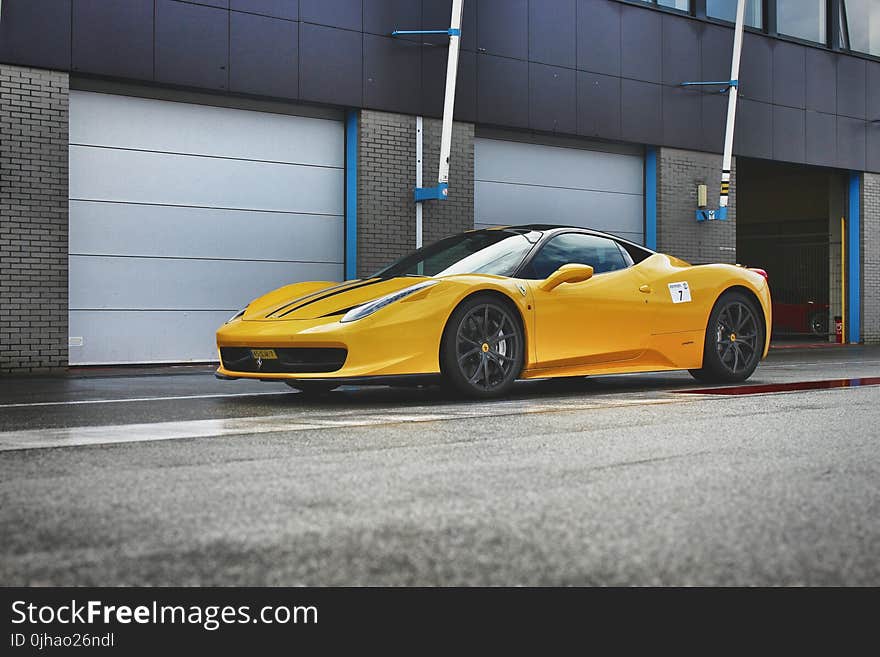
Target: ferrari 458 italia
(484,308)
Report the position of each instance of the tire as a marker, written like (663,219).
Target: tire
(312,388)
(734,340)
(483,347)
(818,323)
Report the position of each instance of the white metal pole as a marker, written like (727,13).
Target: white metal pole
(419,141)
(449,99)
(727,160)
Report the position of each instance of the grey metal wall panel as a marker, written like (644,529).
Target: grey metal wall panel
(714,122)
(822,81)
(789,134)
(598,105)
(392,74)
(503,27)
(36,33)
(288,9)
(598,36)
(436,15)
(519,183)
(168,127)
(716,48)
(789,74)
(164,245)
(851,78)
(115,337)
(681,50)
(502,91)
(263,55)
(192,44)
(872,155)
(872,104)
(851,137)
(756,72)
(641,44)
(99,174)
(347,14)
(754,134)
(219,4)
(179,232)
(434,84)
(113,38)
(133,283)
(553,32)
(821,137)
(682,114)
(331,65)
(384,16)
(552,99)
(641,116)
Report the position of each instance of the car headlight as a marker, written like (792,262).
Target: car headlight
(236,315)
(369,308)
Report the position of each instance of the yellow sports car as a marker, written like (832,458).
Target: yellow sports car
(484,308)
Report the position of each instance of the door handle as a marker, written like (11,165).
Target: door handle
(646,289)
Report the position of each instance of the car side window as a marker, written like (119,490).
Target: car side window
(602,254)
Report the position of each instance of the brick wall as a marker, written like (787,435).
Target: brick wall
(455,214)
(870,246)
(678,233)
(386,179)
(33,220)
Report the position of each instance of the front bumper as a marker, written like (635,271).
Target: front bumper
(387,344)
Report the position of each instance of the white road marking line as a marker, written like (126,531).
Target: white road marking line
(157,431)
(73,402)
(802,364)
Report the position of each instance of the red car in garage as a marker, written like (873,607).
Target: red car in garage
(810,317)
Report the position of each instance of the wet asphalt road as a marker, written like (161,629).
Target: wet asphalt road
(174,478)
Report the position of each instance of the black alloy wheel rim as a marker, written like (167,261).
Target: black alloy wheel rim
(736,339)
(487,346)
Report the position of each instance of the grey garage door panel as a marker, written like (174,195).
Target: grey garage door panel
(159,125)
(111,337)
(179,232)
(552,166)
(501,204)
(100,174)
(124,283)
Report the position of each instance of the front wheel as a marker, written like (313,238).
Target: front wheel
(482,351)
(734,340)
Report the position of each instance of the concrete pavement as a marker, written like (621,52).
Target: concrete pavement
(612,480)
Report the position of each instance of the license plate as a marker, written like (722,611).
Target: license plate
(265,354)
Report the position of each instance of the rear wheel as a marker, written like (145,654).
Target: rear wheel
(312,388)
(483,346)
(734,340)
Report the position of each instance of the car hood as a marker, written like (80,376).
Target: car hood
(322,299)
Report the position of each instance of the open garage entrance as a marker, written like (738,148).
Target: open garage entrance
(789,223)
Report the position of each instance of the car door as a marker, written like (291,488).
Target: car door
(606,318)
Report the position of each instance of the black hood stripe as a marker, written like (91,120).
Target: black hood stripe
(332,294)
(324,290)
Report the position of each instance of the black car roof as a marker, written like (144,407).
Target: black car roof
(552,228)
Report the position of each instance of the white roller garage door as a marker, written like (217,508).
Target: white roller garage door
(600,187)
(182,213)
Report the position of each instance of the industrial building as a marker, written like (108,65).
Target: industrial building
(163,162)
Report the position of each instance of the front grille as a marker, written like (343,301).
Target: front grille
(297,360)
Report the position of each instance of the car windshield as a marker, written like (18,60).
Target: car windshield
(497,252)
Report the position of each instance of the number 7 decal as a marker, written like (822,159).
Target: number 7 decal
(680,292)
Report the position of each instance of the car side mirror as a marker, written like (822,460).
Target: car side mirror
(566,274)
